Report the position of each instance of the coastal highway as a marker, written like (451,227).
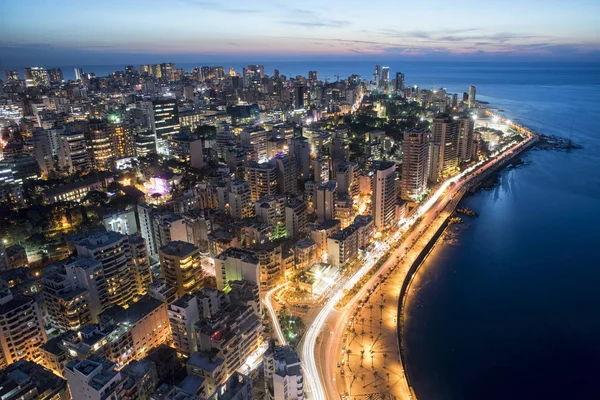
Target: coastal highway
(320,378)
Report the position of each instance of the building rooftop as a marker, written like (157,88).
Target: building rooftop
(23,371)
(205,361)
(345,233)
(138,310)
(101,239)
(248,256)
(178,249)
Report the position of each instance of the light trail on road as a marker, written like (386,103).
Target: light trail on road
(273,314)
(309,365)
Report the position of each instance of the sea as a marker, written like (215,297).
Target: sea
(508,306)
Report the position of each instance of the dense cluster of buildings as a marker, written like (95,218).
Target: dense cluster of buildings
(164,301)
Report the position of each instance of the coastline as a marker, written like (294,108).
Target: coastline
(440,230)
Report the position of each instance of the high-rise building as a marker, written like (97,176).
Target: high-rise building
(28,380)
(472,93)
(384,83)
(300,150)
(384,194)
(287,176)
(42,152)
(181,266)
(262,179)
(140,264)
(55,76)
(326,195)
(183,315)
(377,75)
(236,264)
(256,140)
(295,217)
(99,145)
(122,140)
(283,373)
(240,203)
(300,97)
(313,76)
(444,151)
(65,301)
(94,379)
(36,76)
(114,252)
(166,123)
(466,139)
(11,76)
(22,332)
(321,169)
(270,210)
(415,161)
(257,70)
(78,74)
(399,82)
(73,154)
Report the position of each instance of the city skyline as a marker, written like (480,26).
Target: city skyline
(119,32)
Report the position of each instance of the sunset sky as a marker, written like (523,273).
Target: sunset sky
(44,31)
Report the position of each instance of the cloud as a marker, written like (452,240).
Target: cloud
(219,6)
(316,24)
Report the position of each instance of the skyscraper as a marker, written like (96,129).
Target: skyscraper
(415,153)
(326,195)
(166,123)
(472,92)
(443,151)
(377,75)
(78,74)
(384,83)
(55,76)
(99,145)
(399,82)
(466,138)
(384,194)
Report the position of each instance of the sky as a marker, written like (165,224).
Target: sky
(66,32)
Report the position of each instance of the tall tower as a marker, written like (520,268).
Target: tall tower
(384,84)
(166,123)
(399,82)
(472,92)
(384,194)
(444,147)
(415,157)
(377,75)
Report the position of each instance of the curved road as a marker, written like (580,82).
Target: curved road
(326,388)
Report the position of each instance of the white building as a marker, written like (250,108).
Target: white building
(283,373)
(384,194)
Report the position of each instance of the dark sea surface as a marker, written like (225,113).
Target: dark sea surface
(511,308)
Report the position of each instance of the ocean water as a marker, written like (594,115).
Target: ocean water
(509,308)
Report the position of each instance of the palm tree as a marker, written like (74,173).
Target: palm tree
(348,352)
(362,355)
(371,308)
(388,375)
(385,356)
